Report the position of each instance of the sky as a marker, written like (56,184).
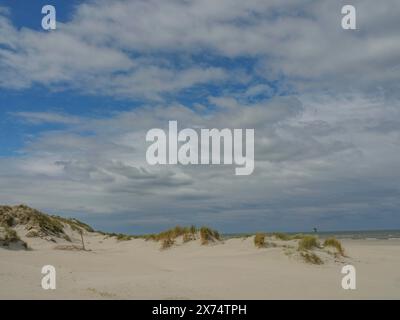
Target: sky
(76,103)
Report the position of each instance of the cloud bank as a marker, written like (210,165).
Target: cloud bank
(323,102)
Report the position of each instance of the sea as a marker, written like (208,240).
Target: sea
(364,234)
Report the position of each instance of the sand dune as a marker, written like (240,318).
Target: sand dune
(228,269)
(137,269)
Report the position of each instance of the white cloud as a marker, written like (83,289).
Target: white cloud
(316,158)
(47,117)
(329,153)
(116,48)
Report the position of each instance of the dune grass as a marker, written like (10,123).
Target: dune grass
(188,237)
(259,240)
(286,237)
(75,224)
(172,233)
(207,235)
(308,243)
(333,242)
(124,237)
(281,236)
(298,236)
(39,223)
(311,257)
(48,224)
(6,220)
(167,243)
(190,233)
(11,236)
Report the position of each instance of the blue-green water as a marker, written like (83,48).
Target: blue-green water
(365,234)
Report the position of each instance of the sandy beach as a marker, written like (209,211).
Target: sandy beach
(231,269)
(199,150)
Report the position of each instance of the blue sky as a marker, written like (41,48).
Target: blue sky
(24,14)
(76,102)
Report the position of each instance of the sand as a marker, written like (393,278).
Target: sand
(234,269)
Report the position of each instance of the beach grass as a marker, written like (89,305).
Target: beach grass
(281,236)
(124,237)
(11,236)
(167,243)
(333,242)
(259,240)
(207,234)
(308,243)
(311,257)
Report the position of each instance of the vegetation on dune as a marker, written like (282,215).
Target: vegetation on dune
(287,237)
(308,243)
(172,233)
(298,236)
(6,220)
(10,236)
(75,224)
(167,243)
(193,229)
(48,224)
(207,235)
(39,224)
(188,237)
(168,237)
(281,236)
(123,237)
(311,257)
(333,242)
(259,240)
(187,233)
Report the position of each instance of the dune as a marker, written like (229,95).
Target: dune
(112,267)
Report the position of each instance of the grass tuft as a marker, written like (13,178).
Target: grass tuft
(281,236)
(311,257)
(11,236)
(123,237)
(188,237)
(298,236)
(207,235)
(259,240)
(167,243)
(308,243)
(333,242)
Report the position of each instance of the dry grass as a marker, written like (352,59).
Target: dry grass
(124,237)
(69,248)
(41,224)
(298,236)
(281,236)
(10,236)
(259,240)
(75,224)
(103,294)
(308,243)
(187,233)
(311,257)
(188,237)
(167,243)
(333,242)
(208,235)
(172,233)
